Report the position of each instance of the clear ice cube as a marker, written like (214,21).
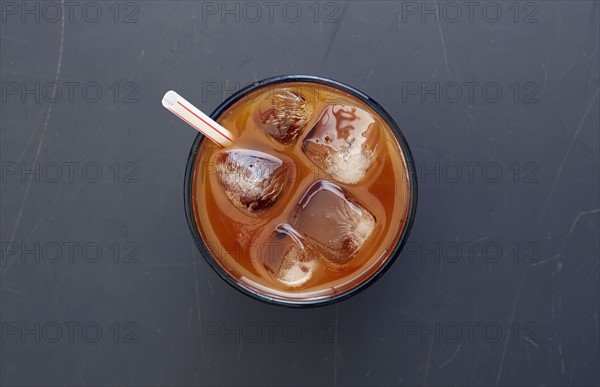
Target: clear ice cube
(288,257)
(343,143)
(283,113)
(252,180)
(337,223)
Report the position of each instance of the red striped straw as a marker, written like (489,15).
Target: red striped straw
(198,120)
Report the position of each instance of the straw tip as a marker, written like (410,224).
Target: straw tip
(170,99)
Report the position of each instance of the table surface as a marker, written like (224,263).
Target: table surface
(102,283)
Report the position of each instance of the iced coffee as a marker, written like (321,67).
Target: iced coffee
(310,200)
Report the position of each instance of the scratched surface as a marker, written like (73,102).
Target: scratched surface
(101,283)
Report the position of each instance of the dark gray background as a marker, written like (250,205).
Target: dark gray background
(527,287)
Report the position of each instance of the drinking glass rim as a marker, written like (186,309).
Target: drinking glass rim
(272,300)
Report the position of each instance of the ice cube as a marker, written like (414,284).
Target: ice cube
(252,180)
(336,222)
(283,114)
(343,143)
(287,256)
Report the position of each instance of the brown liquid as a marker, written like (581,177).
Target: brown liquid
(234,237)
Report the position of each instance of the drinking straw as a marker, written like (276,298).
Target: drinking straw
(195,118)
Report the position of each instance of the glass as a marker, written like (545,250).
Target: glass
(332,222)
